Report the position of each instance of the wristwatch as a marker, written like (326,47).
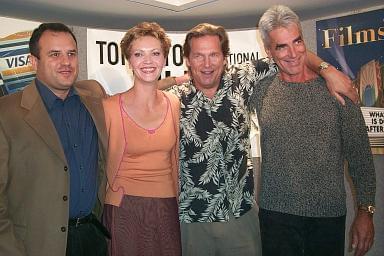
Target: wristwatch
(323,66)
(369,209)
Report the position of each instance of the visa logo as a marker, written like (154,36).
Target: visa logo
(17,61)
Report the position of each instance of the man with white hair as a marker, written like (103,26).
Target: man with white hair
(306,135)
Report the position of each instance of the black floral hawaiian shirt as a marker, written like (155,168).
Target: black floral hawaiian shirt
(216,175)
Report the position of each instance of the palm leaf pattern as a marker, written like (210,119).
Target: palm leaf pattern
(216,176)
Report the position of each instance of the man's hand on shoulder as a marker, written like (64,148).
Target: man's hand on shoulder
(339,84)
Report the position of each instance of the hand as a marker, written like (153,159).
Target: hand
(363,233)
(339,84)
(182,79)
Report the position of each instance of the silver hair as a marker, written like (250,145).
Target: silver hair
(275,17)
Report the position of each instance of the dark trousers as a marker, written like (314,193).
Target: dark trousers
(86,240)
(292,235)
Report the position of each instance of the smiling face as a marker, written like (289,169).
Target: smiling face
(287,48)
(146,59)
(206,62)
(57,64)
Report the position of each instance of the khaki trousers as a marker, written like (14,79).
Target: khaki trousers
(233,238)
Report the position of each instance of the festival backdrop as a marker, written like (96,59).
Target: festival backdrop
(106,64)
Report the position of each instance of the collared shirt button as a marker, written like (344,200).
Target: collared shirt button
(63,229)
(65,168)
(75,145)
(65,198)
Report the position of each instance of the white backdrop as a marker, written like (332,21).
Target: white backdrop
(106,65)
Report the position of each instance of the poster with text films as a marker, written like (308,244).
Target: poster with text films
(355,45)
(15,69)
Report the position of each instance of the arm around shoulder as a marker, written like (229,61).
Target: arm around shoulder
(337,82)
(91,88)
(167,82)
(264,68)
(170,81)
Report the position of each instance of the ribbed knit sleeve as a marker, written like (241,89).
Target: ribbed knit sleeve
(358,153)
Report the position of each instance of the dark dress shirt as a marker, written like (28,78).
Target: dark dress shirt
(78,136)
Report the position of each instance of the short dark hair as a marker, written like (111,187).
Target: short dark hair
(38,32)
(206,29)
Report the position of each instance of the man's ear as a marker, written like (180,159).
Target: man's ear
(268,52)
(187,62)
(34,61)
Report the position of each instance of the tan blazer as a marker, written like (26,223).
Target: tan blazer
(34,178)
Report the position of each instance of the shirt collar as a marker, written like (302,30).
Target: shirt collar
(49,98)
(194,90)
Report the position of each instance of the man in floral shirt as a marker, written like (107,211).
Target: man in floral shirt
(216,201)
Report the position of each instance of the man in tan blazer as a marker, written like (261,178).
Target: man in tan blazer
(52,138)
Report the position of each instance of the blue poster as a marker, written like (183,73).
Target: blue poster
(355,45)
(15,69)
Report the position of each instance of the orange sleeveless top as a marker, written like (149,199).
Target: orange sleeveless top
(146,168)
